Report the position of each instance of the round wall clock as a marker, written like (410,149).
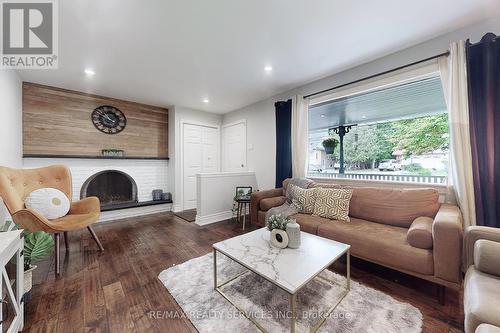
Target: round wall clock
(108,119)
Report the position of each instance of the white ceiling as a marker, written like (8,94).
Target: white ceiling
(178,52)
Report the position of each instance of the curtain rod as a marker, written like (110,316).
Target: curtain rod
(445,54)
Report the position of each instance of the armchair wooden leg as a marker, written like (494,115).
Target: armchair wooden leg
(66,240)
(57,237)
(94,236)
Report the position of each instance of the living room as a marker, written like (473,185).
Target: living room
(249,166)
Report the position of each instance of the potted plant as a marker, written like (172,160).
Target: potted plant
(38,246)
(277,222)
(277,225)
(330,144)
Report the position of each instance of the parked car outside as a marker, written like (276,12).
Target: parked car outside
(389,165)
(336,166)
(315,168)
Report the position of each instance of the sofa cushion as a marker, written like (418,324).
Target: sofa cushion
(481,299)
(485,328)
(398,207)
(268,203)
(420,233)
(309,223)
(333,203)
(487,257)
(380,243)
(303,199)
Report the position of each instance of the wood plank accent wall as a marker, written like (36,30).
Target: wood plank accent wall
(58,122)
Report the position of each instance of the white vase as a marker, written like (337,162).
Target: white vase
(279,238)
(293,232)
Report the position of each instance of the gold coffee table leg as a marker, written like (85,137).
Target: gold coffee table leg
(293,298)
(293,307)
(215,269)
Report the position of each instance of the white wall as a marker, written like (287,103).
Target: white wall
(214,208)
(178,114)
(11,119)
(148,175)
(261,137)
(261,118)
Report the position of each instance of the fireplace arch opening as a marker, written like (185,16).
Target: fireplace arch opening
(112,187)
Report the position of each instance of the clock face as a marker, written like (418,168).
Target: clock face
(108,119)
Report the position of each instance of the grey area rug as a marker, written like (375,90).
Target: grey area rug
(362,310)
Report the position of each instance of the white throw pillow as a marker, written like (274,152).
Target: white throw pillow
(49,202)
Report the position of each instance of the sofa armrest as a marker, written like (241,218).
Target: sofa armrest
(473,234)
(256,197)
(487,257)
(447,243)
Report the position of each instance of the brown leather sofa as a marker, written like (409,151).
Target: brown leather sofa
(482,281)
(377,232)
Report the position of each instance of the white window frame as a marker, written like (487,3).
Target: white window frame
(409,74)
(413,73)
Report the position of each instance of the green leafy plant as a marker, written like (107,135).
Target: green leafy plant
(277,222)
(416,168)
(234,210)
(330,144)
(38,246)
(7,226)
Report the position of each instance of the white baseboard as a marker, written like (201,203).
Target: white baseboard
(176,208)
(133,212)
(212,218)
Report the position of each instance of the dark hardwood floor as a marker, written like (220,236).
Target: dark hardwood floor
(115,291)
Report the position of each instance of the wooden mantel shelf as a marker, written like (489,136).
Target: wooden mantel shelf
(95,157)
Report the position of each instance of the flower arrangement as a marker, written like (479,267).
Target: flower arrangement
(277,222)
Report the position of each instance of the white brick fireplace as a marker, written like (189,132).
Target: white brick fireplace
(148,174)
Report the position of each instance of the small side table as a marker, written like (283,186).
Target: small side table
(241,213)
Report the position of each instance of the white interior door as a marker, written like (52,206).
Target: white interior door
(234,140)
(200,155)
(210,142)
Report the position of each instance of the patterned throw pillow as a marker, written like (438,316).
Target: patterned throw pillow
(333,203)
(303,199)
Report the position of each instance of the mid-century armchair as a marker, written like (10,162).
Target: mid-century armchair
(17,184)
(482,281)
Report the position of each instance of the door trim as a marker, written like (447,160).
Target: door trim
(241,121)
(181,152)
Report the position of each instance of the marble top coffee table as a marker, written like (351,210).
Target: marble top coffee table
(289,269)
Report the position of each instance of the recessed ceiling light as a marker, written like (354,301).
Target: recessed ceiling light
(268,68)
(206,100)
(363,117)
(322,116)
(90,72)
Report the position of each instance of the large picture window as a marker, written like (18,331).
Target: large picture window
(398,132)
